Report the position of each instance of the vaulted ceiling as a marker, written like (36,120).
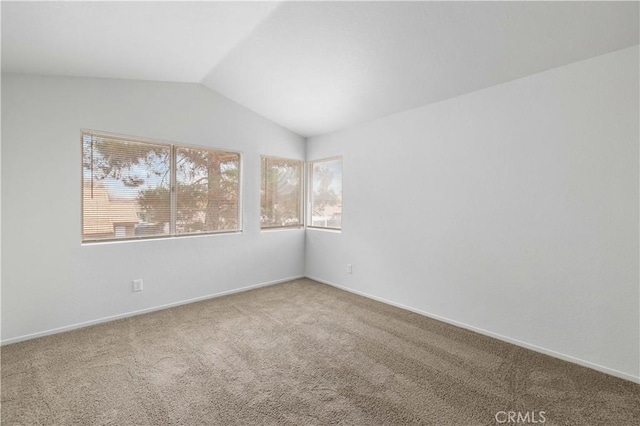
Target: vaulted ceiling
(314,67)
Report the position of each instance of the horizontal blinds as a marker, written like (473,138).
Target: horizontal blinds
(139,189)
(207,190)
(125,188)
(281,192)
(326,194)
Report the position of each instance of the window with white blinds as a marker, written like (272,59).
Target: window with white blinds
(325,194)
(281,193)
(135,189)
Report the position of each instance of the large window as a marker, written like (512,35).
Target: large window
(139,189)
(326,194)
(281,193)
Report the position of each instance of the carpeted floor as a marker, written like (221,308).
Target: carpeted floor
(299,353)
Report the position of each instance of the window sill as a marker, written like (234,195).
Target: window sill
(281,228)
(330,230)
(160,238)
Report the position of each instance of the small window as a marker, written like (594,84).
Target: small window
(135,189)
(281,193)
(326,194)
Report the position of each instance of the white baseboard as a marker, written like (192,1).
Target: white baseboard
(141,311)
(516,342)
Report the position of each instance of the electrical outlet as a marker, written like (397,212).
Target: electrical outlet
(137,285)
(349,268)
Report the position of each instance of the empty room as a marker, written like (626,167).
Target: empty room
(310,213)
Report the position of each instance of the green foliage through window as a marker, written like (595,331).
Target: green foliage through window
(135,189)
(281,193)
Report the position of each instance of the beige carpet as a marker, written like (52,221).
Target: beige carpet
(299,353)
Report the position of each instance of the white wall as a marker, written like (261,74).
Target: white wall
(49,279)
(512,210)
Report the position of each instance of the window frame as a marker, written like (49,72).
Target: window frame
(309,213)
(173,146)
(174,192)
(301,202)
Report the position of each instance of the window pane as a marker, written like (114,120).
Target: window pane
(281,193)
(125,188)
(326,193)
(207,190)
